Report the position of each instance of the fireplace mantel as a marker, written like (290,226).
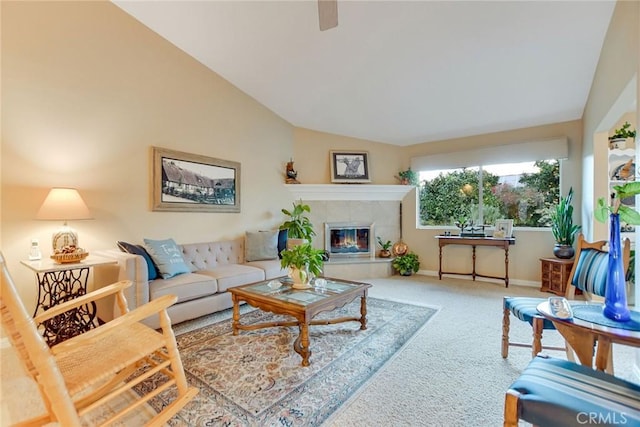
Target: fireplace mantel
(348,191)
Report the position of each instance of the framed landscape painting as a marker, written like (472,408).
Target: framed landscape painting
(184,182)
(350,166)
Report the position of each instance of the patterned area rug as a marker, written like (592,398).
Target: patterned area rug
(256,379)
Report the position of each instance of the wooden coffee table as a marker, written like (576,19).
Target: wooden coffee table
(302,304)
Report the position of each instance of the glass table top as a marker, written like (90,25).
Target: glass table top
(281,289)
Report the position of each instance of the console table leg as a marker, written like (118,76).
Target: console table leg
(440,265)
(473,257)
(506,266)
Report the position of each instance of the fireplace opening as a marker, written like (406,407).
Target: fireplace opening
(348,239)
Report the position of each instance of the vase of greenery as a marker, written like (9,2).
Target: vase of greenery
(406,264)
(304,262)
(563,228)
(385,251)
(615,298)
(408,177)
(619,137)
(299,227)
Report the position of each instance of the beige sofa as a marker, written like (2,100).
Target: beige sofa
(215,267)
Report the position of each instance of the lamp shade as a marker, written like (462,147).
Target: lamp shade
(63,204)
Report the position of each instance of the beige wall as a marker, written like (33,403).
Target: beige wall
(86,90)
(312,161)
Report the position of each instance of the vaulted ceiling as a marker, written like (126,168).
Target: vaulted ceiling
(398,72)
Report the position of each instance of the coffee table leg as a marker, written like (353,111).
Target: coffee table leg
(363,312)
(236,315)
(301,345)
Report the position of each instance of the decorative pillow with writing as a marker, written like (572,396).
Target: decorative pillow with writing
(261,245)
(140,250)
(167,256)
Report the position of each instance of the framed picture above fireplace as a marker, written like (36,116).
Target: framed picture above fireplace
(349,166)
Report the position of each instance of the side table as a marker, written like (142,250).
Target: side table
(58,283)
(555,274)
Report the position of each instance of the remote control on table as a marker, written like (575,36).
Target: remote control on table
(560,308)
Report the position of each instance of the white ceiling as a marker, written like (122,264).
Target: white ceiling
(399,72)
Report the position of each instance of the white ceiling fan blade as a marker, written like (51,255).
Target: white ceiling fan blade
(328,14)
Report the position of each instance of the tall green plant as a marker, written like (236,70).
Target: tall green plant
(298,225)
(562,226)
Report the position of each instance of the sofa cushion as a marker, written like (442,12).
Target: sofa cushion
(271,268)
(261,245)
(130,248)
(186,287)
(231,275)
(167,256)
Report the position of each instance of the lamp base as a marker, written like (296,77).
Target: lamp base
(64,237)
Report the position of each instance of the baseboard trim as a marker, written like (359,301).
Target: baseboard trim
(517,282)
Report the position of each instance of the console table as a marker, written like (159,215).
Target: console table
(473,242)
(58,283)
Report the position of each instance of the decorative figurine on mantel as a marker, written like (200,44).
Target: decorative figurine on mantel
(291,174)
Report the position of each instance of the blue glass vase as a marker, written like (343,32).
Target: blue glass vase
(615,297)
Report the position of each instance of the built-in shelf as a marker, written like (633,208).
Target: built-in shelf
(348,191)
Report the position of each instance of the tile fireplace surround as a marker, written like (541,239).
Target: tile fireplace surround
(359,204)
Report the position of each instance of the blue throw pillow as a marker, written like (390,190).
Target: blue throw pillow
(282,242)
(167,256)
(152,272)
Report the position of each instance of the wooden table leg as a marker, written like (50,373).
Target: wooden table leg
(473,262)
(301,344)
(236,314)
(440,264)
(602,353)
(582,342)
(363,312)
(506,265)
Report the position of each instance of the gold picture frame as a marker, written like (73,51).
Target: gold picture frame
(185,182)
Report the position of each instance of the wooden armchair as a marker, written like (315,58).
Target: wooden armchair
(589,274)
(86,372)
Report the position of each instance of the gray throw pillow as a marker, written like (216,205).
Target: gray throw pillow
(167,256)
(261,245)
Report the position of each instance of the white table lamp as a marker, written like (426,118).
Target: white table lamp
(64,204)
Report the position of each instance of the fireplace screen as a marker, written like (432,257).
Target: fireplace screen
(349,239)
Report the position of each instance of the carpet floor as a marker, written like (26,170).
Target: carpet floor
(256,379)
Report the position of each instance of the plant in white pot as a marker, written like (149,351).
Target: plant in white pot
(563,228)
(299,227)
(304,263)
(619,137)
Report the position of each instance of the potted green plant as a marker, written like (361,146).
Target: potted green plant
(385,252)
(298,226)
(406,264)
(408,177)
(619,137)
(304,262)
(563,228)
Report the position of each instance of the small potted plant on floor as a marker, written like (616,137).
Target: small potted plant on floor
(304,262)
(407,264)
(563,228)
(299,227)
(619,137)
(385,251)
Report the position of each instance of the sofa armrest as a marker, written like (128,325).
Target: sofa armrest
(129,267)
